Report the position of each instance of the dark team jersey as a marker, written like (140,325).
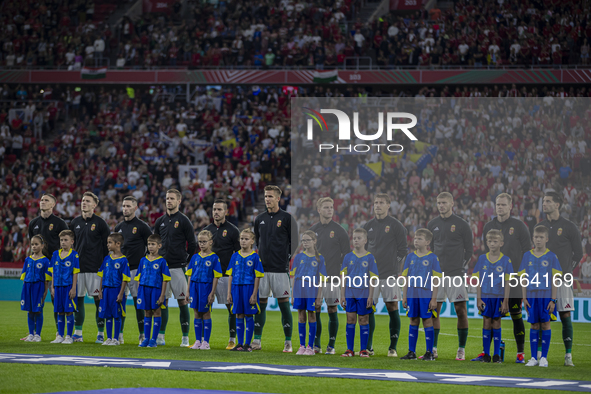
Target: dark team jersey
(516,239)
(386,241)
(91,241)
(333,244)
(565,242)
(178,239)
(49,229)
(226,242)
(135,240)
(452,243)
(273,233)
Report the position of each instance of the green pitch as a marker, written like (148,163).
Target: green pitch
(23,378)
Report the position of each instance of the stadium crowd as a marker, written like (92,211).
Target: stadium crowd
(288,34)
(132,146)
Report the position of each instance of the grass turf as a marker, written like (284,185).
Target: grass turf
(18,378)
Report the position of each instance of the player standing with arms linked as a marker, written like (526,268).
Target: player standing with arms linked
(386,241)
(333,244)
(178,246)
(516,242)
(273,230)
(565,242)
(452,243)
(226,242)
(91,233)
(135,235)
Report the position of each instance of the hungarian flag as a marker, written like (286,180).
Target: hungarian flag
(325,76)
(94,72)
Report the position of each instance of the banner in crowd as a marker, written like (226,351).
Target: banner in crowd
(195,172)
(163,6)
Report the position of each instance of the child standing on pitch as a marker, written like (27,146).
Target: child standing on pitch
(64,271)
(308,273)
(419,294)
(539,266)
(152,274)
(245,271)
(203,271)
(36,284)
(359,266)
(114,273)
(493,270)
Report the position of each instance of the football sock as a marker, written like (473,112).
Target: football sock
(350,336)
(302,332)
(318,330)
(413,336)
(122,324)
(240,331)
(206,329)
(147,327)
(372,327)
(533,342)
(118,324)
(519,332)
(497,341)
(80,315)
(540,340)
(185,317)
(546,336)
(31,323)
(55,318)
(249,330)
(333,328)
(198,324)
(462,337)
(429,338)
(38,323)
(259,321)
(567,333)
(157,325)
(100,323)
(139,314)
(286,319)
(312,336)
(486,341)
(435,336)
(394,328)
(164,313)
(70,320)
(364,336)
(232,324)
(61,324)
(109,325)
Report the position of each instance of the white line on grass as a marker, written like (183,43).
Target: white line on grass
(512,339)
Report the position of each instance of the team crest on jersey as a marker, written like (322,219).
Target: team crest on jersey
(51,227)
(68,264)
(208,263)
(387,229)
(134,230)
(499,269)
(511,231)
(364,263)
(156,266)
(92,227)
(453,228)
(425,262)
(559,231)
(176,224)
(314,263)
(117,266)
(225,233)
(249,263)
(332,234)
(39,265)
(279,223)
(544,263)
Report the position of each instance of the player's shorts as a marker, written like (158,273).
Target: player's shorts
(538,311)
(132,285)
(492,307)
(275,283)
(147,298)
(418,303)
(199,294)
(359,306)
(390,292)
(565,297)
(304,304)
(449,291)
(177,284)
(32,296)
(88,283)
(109,307)
(221,291)
(62,302)
(515,305)
(331,297)
(241,300)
